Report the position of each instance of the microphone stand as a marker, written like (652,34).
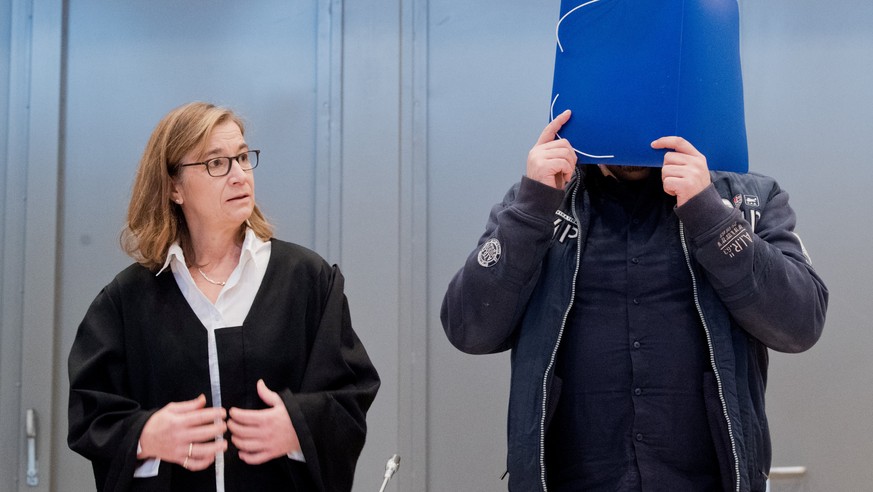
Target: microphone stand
(390,468)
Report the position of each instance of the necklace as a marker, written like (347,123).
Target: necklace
(213,282)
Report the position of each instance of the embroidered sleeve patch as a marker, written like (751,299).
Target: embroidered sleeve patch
(490,253)
(734,240)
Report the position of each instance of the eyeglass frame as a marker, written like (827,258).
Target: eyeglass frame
(229,165)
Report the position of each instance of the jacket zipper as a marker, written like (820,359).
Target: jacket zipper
(711,355)
(558,343)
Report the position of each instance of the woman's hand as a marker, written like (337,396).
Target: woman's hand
(262,435)
(184,433)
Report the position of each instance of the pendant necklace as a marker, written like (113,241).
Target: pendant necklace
(213,282)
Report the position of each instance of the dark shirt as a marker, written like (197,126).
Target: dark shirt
(630,414)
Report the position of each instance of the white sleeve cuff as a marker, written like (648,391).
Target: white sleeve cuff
(297,456)
(148,468)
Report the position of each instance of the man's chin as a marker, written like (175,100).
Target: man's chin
(629,173)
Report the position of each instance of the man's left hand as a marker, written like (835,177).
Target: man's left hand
(685,173)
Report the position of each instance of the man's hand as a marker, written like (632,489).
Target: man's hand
(262,435)
(184,433)
(685,173)
(551,161)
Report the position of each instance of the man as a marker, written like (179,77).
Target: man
(639,304)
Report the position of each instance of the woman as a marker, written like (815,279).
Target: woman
(223,360)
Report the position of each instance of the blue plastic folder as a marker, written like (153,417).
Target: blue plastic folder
(636,70)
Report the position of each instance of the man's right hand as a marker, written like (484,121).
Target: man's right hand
(552,161)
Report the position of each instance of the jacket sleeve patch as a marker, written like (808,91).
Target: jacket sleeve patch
(489,254)
(734,240)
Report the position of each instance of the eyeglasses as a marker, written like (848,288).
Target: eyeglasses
(220,166)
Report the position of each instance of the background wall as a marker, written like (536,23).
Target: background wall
(388,129)
(808,73)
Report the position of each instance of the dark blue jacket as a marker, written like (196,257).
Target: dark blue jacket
(754,289)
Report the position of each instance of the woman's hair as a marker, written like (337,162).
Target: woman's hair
(154,221)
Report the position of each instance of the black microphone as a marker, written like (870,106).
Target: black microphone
(390,469)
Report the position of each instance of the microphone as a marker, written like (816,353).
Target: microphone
(390,469)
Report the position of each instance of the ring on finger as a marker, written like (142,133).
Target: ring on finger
(190,448)
(185,464)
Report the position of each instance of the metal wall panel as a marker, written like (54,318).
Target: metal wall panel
(808,71)
(13,112)
(490,76)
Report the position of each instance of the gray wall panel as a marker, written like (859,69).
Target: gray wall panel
(490,79)
(808,70)
(12,179)
(370,207)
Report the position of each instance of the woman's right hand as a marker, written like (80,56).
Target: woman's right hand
(184,433)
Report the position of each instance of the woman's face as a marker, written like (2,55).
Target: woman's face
(215,204)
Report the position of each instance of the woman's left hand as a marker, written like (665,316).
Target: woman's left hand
(262,435)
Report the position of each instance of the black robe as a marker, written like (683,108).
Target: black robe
(140,346)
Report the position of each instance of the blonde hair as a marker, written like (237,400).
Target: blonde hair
(154,221)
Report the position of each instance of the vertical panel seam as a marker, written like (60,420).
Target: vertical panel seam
(327,208)
(413,244)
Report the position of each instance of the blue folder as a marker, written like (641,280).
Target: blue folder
(636,70)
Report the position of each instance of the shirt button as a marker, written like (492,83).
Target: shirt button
(638,391)
(639,437)
(636,344)
(635,261)
(636,301)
